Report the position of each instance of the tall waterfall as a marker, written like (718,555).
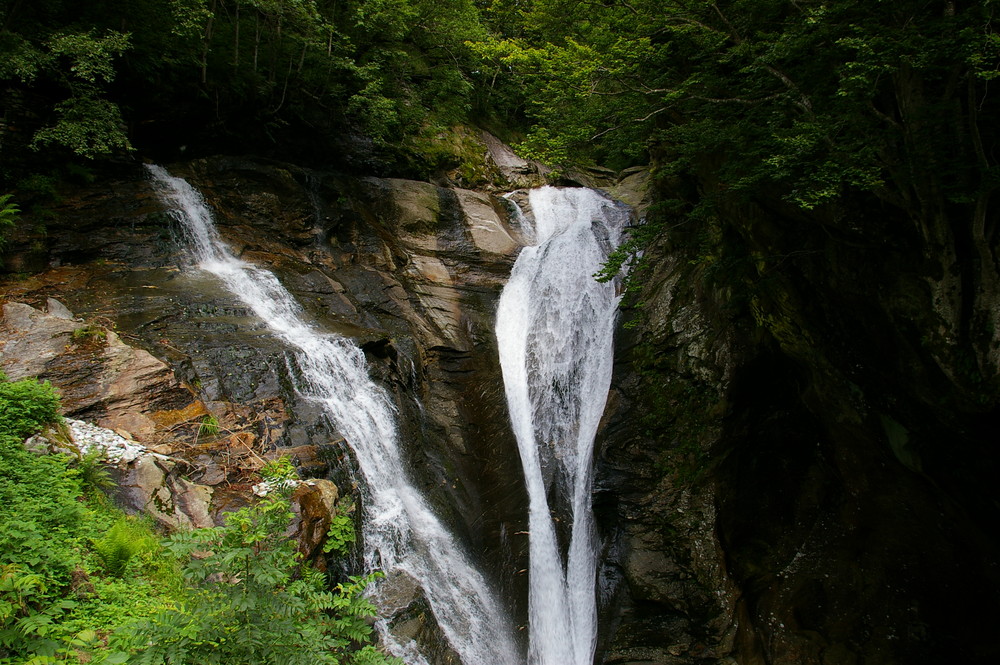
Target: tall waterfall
(401,532)
(555,326)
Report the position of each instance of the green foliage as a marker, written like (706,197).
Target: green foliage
(813,100)
(51,607)
(38,523)
(73,572)
(123,542)
(28,624)
(340,537)
(9,215)
(89,58)
(279,469)
(78,62)
(89,332)
(250,600)
(814,110)
(88,125)
(383,67)
(9,212)
(209,426)
(26,406)
(94,477)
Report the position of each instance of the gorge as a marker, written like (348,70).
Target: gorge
(730,545)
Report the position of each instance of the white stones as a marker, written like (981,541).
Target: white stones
(116,449)
(273,485)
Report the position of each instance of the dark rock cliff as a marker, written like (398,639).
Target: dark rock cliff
(800,463)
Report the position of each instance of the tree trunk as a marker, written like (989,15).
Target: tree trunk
(206,43)
(236,39)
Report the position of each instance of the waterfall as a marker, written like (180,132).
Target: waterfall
(555,326)
(401,532)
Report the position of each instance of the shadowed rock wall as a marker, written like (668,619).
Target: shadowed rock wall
(800,465)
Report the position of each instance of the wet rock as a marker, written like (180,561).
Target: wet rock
(633,188)
(409,620)
(314,503)
(157,486)
(57,309)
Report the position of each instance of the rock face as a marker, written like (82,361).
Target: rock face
(798,469)
(99,377)
(130,393)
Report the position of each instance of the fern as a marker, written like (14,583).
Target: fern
(94,478)
(121,544)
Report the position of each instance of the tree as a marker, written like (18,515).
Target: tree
(80,62)
(816,97)
(811,103)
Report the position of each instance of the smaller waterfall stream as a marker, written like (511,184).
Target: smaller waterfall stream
(401,532)
(555,326)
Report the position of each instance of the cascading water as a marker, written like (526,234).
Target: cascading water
(555,326)
(401,532)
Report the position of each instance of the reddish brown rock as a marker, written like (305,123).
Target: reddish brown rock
(100,378)
(314,503)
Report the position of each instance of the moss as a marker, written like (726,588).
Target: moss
(89,333)
(456,153)
(680,414)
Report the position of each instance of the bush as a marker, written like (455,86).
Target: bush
(26,406)
(39,521)
(251,601)
(38,492)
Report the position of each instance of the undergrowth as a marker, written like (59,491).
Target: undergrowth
(81,582)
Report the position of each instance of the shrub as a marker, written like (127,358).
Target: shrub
(40,518)
(26,406)
(251,601)
(340,536)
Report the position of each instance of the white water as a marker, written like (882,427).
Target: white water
(555,326)
(401,532)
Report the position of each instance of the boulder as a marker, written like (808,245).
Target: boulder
(146,482)
(314,503)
